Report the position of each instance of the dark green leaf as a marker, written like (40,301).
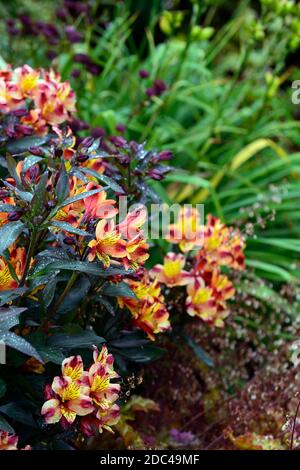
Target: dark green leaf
(69,228)
(2,388)
(142,354)
(85,339)
(106,304)
(4,426)
(200,353)
(49,292)
(11,166)
(118,290)
(19,343)
(49,354)
(29,162)
(18,413)
(76,198)
(63,185)
(9,233)
(9,317)
(75,295)
(104,179)
(24,195)
(22,145)
(9,295)
(93,269)
(38,199)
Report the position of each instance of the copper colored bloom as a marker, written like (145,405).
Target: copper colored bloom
(171,273)
(187,231)
(148,309)
(17,260)
(223,245)
(108,243)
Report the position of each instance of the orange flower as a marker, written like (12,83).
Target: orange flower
(136,247)
(130,227)
(171,273)
(136,252)
(207,297)
(53,101)
(187,231)
(108,243)
(200,301)
(27,79)
(223,245)
(17,261)
(148,309)
(97,206)
(35,120)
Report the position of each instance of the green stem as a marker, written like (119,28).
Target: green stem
(62,296)
(30,253)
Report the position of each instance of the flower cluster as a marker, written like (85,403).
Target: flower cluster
(124,241)
(90,396)
(214,245)
(147,306)
(10,441)
(93,215)
(31,100)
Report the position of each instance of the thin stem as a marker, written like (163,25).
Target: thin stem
(294,426)
(30,253)
(62,296)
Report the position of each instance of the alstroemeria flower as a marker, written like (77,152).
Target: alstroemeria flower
(148,309)
(103,419)
(35,120)
(72,367)
(97,206)
(27,79)
(106,359)
(70,401)
(17,260)
(207,296)
(223,245)
(89,394)
(171,273)
(51,100)
(10,95)
(108,418)
(95,164)
(187,231)
(102,391)
(200,301)
(153,318)
(136,252)
(68,395)
(136,247)
(131,226)
(108,243)
(10,442)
